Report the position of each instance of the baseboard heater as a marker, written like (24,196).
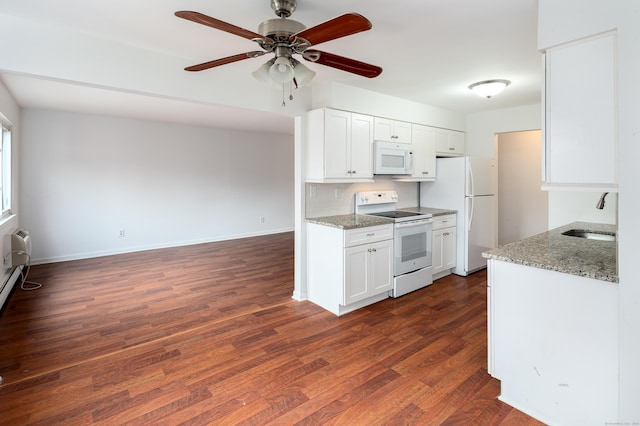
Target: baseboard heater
(8,285)
(19,257)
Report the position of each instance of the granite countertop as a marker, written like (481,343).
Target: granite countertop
(429,210)
(572,255)
(350,221)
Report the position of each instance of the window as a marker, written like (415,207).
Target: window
(5,166)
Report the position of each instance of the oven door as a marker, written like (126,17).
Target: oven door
(412,246)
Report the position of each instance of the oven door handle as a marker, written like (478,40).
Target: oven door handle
(416,223)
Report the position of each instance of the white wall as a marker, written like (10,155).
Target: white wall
(86,177)
(349,98)
(10,110)
(521,202)
(324,199)
(567,207)
(483,126)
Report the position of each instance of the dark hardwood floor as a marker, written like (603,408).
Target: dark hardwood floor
(209,334)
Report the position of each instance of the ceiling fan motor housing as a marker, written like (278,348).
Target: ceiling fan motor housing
(283,8)
(276,28)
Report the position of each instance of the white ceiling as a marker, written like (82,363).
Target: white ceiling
(430,50)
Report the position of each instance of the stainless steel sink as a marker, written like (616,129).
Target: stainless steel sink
(590,235)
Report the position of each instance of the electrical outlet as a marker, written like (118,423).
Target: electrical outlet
(313,191)
(121,233)
(261,219)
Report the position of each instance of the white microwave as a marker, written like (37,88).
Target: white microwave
(391,158)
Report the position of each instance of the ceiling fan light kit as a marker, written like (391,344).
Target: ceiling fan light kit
(489,88)
(286,37)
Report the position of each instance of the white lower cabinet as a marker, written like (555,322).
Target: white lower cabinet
(444,245)
(349,269)
(367,271)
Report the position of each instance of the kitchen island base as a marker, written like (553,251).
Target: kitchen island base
(553,343)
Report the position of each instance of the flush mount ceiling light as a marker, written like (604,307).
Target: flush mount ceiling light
(489,88)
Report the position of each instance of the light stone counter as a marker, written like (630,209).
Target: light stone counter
(572,255)
(429,210)
(350,221)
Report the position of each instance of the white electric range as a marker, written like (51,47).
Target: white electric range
(412,236)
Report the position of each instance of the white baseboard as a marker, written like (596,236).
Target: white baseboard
(88,255)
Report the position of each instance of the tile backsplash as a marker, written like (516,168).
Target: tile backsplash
(328,199)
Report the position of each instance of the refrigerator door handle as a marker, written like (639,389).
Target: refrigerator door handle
(471,188)
(470,220)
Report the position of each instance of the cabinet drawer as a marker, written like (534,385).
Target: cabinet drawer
(447,221)
(370,234)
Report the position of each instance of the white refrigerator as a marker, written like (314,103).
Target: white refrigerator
(469,186)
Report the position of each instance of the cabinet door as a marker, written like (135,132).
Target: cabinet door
(337,135)
(580,133)
(437,251)
(442,141)
(402,132)
(424,154)
(449,142)
(356,274)
(381,267)
(449,248)
(383,130)
(361,150)
(456,141)
(392,131)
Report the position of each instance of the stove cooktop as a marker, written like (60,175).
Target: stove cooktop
(396,214)
(401,215)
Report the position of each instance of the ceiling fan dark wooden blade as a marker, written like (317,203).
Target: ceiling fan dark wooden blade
(347,24)
(223,61)
(342,63)
(217,24)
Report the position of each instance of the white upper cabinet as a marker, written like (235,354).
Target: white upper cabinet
(424,154)
(392,130)
(580,149)
(339,146)
(449,143)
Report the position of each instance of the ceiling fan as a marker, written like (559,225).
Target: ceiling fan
(286,37)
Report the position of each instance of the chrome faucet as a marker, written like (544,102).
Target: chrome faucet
(600,204)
